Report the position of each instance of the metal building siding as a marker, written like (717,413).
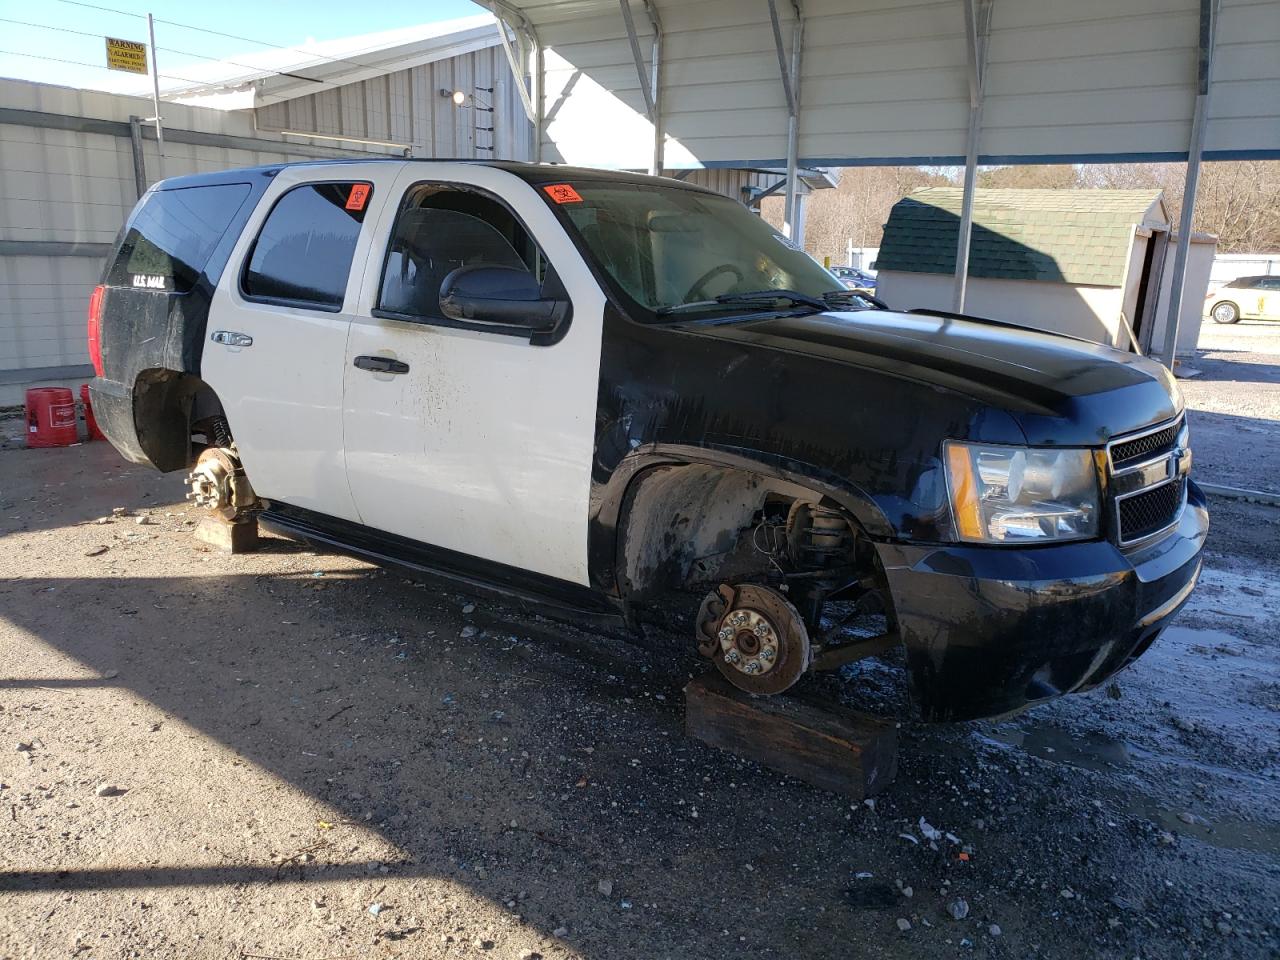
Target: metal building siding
(888,81)
(67,186)
(406,107)
(1245,100)
(1090,76)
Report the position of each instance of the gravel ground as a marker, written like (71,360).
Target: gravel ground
(297,755)
(1235,404)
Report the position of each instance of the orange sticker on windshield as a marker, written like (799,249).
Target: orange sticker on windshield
(359,196)
(563,193)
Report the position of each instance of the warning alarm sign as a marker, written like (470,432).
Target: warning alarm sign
(126,55)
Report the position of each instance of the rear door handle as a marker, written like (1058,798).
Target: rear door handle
(381,364)
(231,338)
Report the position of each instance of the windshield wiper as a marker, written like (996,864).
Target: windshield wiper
(843,297)
(772,299)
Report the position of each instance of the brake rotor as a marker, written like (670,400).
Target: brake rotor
(759,642)
(218,483)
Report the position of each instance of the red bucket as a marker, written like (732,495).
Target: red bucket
(90,421)
(51,417)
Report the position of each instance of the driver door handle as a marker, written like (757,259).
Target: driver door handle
(381,364)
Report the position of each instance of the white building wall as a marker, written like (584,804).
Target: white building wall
(1199,265)
(1228,266)
(1092,313)
(1088,312)
(406,107)
(74,188)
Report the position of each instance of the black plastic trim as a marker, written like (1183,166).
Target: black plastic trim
(462,570)
(536,338)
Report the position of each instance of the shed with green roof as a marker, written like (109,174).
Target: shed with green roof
(1081,262)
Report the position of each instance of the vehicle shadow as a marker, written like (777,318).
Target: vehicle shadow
(1223,366)
(498,763)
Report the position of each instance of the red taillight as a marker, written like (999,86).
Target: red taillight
(95,328)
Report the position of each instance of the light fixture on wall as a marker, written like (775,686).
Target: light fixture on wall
(461,99)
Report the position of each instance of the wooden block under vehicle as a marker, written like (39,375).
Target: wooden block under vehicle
(849,753)
(239,537)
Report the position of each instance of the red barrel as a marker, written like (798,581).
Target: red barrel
(90,420)
(51,417)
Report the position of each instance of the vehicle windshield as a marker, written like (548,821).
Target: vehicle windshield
(673,251)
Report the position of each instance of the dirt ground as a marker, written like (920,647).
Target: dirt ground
(303,756)
(1235,404)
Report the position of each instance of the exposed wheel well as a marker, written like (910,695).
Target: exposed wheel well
(173,414)
(690,526)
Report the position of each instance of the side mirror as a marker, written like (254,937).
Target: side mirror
(505,295)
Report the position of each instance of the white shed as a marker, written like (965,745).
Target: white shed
(1089,263)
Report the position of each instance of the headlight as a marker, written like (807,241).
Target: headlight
(1021,495)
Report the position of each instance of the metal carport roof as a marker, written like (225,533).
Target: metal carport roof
(680,83)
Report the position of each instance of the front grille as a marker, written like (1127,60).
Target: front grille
(1144,448)
(1151,511)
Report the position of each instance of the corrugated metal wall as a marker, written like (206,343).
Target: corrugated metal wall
(885,80)
(65,187)
(76,186)
(406,107)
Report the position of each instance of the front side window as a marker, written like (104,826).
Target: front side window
(665,247)
(302,256)
(169,239)
(439,229)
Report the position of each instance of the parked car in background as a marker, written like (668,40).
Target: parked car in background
(1244,298)
(855,279)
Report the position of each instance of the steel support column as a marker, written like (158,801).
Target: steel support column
(977,27)
(139,160)
(1199,119)
(650,86)
(792,226)
(530,62)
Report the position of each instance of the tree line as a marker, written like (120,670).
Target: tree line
(1238,201)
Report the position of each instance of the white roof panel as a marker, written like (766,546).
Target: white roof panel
(887,81)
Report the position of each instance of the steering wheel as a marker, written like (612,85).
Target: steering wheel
(707,277)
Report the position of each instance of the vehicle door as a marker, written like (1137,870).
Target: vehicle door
(1269,298)
(277,331)
(464,435)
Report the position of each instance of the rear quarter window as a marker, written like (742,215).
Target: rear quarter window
(302,255)
(169,239)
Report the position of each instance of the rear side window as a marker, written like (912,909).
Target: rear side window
(168,240)
(302,255)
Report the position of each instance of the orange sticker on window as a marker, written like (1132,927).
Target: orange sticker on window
(359,196)
(563,193)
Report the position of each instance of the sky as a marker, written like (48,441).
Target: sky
(70,36)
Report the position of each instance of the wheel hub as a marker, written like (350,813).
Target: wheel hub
(755,637)
(218,484)
(748,642)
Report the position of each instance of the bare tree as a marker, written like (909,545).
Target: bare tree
(1239,201)
(856,209)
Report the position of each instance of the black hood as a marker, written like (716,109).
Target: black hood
(1060,391)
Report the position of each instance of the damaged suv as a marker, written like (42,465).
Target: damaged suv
(616,393)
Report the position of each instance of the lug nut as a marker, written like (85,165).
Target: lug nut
(732,657)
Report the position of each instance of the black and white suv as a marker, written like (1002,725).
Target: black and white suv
(599,389)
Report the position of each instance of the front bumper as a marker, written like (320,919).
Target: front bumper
(990,630)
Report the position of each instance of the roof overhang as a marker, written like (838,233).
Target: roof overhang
(273,76)
(887,82)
